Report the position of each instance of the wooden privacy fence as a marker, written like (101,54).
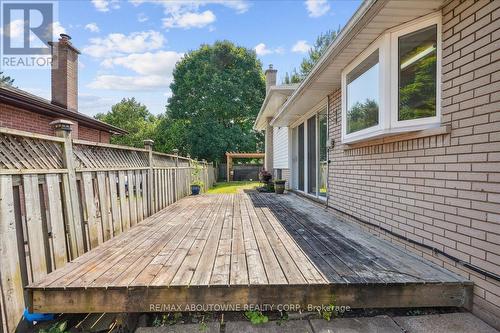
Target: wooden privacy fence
(61,197)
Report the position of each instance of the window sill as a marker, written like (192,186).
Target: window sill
(397,136)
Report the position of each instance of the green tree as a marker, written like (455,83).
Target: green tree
(217,92)
(362,115)
(317,50)
(133,117)
(417,86)
(4,79)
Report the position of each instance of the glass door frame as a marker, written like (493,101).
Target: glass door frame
(294,152)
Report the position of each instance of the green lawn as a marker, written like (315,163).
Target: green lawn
(232,187)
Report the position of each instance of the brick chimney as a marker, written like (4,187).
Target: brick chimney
(270,77)
(64,73)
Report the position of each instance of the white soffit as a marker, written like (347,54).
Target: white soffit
(275,98)
(371,19)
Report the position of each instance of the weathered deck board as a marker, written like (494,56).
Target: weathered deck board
(240,249)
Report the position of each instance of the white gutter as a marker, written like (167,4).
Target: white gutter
(344,37)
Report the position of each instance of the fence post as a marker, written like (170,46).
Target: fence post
(62,129)
(204,178)
(148,144)
(176,160)
(11,284)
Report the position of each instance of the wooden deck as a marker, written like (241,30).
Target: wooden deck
(242,249)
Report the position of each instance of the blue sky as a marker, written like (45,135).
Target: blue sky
(129,48)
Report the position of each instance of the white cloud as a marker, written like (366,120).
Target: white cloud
(317,8)
(92,104)
(189,20)
(158,63)
(92,27)
(187,13)
(14,29)
(154,71)
(301,46)
(57,29)
(130,83)
(117,44)
(141,17)
(175,6)
(261,49)
(105,5)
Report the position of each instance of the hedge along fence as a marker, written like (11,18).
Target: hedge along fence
(60,198)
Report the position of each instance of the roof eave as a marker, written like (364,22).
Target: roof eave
(287,91)
(324,60)
(36,105)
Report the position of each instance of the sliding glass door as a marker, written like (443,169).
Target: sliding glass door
(311,155)
(301,158)
(323,153)
(309,149)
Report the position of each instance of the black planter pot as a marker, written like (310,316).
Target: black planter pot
(279,186)
(195,189)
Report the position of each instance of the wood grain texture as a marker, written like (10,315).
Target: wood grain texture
(241,248)
(11,285)
(36,234)
(69,196)
(55,215)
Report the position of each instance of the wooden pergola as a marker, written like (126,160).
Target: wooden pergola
(231,155)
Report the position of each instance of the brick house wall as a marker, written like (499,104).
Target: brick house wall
(442,191)
(20,119)
(92,134)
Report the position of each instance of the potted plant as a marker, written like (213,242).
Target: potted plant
(196,183)
(265,176)
(196,187)
(279,186)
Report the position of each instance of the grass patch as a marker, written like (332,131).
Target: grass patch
(232,187)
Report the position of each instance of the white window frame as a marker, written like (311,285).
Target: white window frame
(381,45)
(387,44)
(420,123)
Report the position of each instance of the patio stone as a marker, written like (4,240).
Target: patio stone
(181,328)
(292,326)
(380,324)
(450,322)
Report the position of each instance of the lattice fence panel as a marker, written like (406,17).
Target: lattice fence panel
(96,157)
(18,152)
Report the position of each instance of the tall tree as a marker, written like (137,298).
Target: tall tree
(4,79)
(133,117)
(217,92)
(315,52)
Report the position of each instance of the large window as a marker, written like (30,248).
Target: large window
(363,95)
(393,86)
(417,74)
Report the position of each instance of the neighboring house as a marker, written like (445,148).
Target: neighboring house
(405,104)
(23,111)
(276,139)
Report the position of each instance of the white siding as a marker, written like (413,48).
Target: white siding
(280,147)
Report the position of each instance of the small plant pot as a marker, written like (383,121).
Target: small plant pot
(279,186)
(195,189)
